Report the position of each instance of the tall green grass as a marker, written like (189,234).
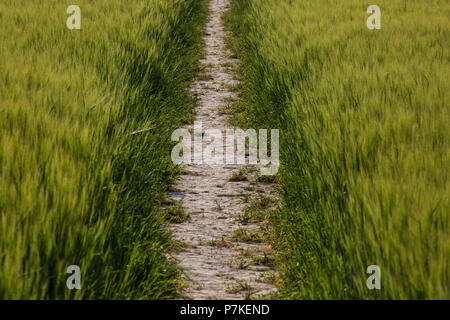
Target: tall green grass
(364,140)
(85,120)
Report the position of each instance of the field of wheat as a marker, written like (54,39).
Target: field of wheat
(84,119)
(364,123)
(87,179)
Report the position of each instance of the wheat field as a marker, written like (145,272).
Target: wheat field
(86,118)
(364,123)
(83,163)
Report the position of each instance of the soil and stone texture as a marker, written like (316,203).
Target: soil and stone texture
(219,250)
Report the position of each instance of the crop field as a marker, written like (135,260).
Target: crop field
(83,160)
(94,206)
(365,153)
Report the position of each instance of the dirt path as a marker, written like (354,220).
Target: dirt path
(213,255)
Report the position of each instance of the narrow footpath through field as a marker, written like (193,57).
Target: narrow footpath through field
(218,263)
